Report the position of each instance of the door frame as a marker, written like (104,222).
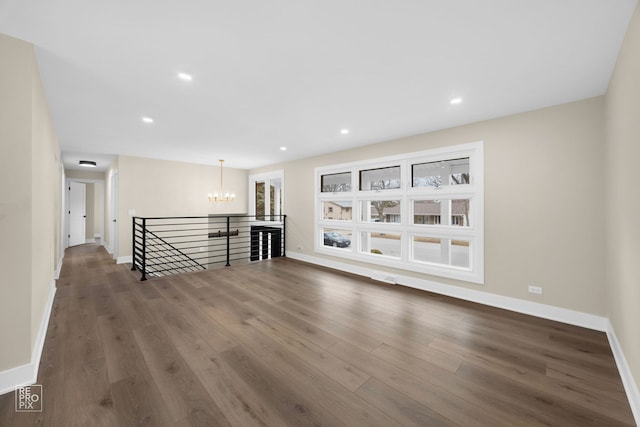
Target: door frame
(113,214)
(84,197)
(67,182)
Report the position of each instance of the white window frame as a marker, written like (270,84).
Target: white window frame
(406,194)
(266,177)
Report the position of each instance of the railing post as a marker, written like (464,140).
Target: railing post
(144,250)
(133,245)
(228,242)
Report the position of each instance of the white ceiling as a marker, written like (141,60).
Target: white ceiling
(294,73)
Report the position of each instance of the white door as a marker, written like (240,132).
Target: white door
(113,220)
(77,213)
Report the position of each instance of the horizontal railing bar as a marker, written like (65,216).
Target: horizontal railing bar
(239,228)
(209,230)
(172,230)
(164,236)
(162,224)
(174,242)
(184,248)
(177,264)
(210,217)
(178,243)
(175,246)
(222,225)
(168,255)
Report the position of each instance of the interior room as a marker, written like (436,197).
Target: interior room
(414,213)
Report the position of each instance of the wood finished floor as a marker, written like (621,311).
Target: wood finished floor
(282,343)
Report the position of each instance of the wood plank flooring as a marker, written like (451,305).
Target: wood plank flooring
(283,343)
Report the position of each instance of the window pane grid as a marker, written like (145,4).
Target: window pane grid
(430,228)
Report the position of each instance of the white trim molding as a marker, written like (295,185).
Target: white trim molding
(124,259)
(56,274)
(630,385)
(28,374)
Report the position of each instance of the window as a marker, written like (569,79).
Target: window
(340,210)
(381,244)
(380,179)
(419,211)
(336,182)
(440,251)
(336,237)
(267,196)
(444,172)
(380,210)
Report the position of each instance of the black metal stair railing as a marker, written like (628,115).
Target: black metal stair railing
(171,245)
(168,258)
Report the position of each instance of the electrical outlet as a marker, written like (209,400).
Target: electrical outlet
(535,290)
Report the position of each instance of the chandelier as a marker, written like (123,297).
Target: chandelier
(221,197)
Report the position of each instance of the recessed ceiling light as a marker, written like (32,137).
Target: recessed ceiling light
(456,100)
(283,148)
(344,131)
(147,119)
(186,77)
(87,163)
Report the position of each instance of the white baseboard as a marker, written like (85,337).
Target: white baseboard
(630,386)
(124,259)
(56,274)
(107,247)
(28,374)
(544,311)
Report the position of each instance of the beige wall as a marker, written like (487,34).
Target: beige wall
(543,187)
(16,70)
(46,194)
(623,196)
(83,174)
(166,188)
(30,183)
